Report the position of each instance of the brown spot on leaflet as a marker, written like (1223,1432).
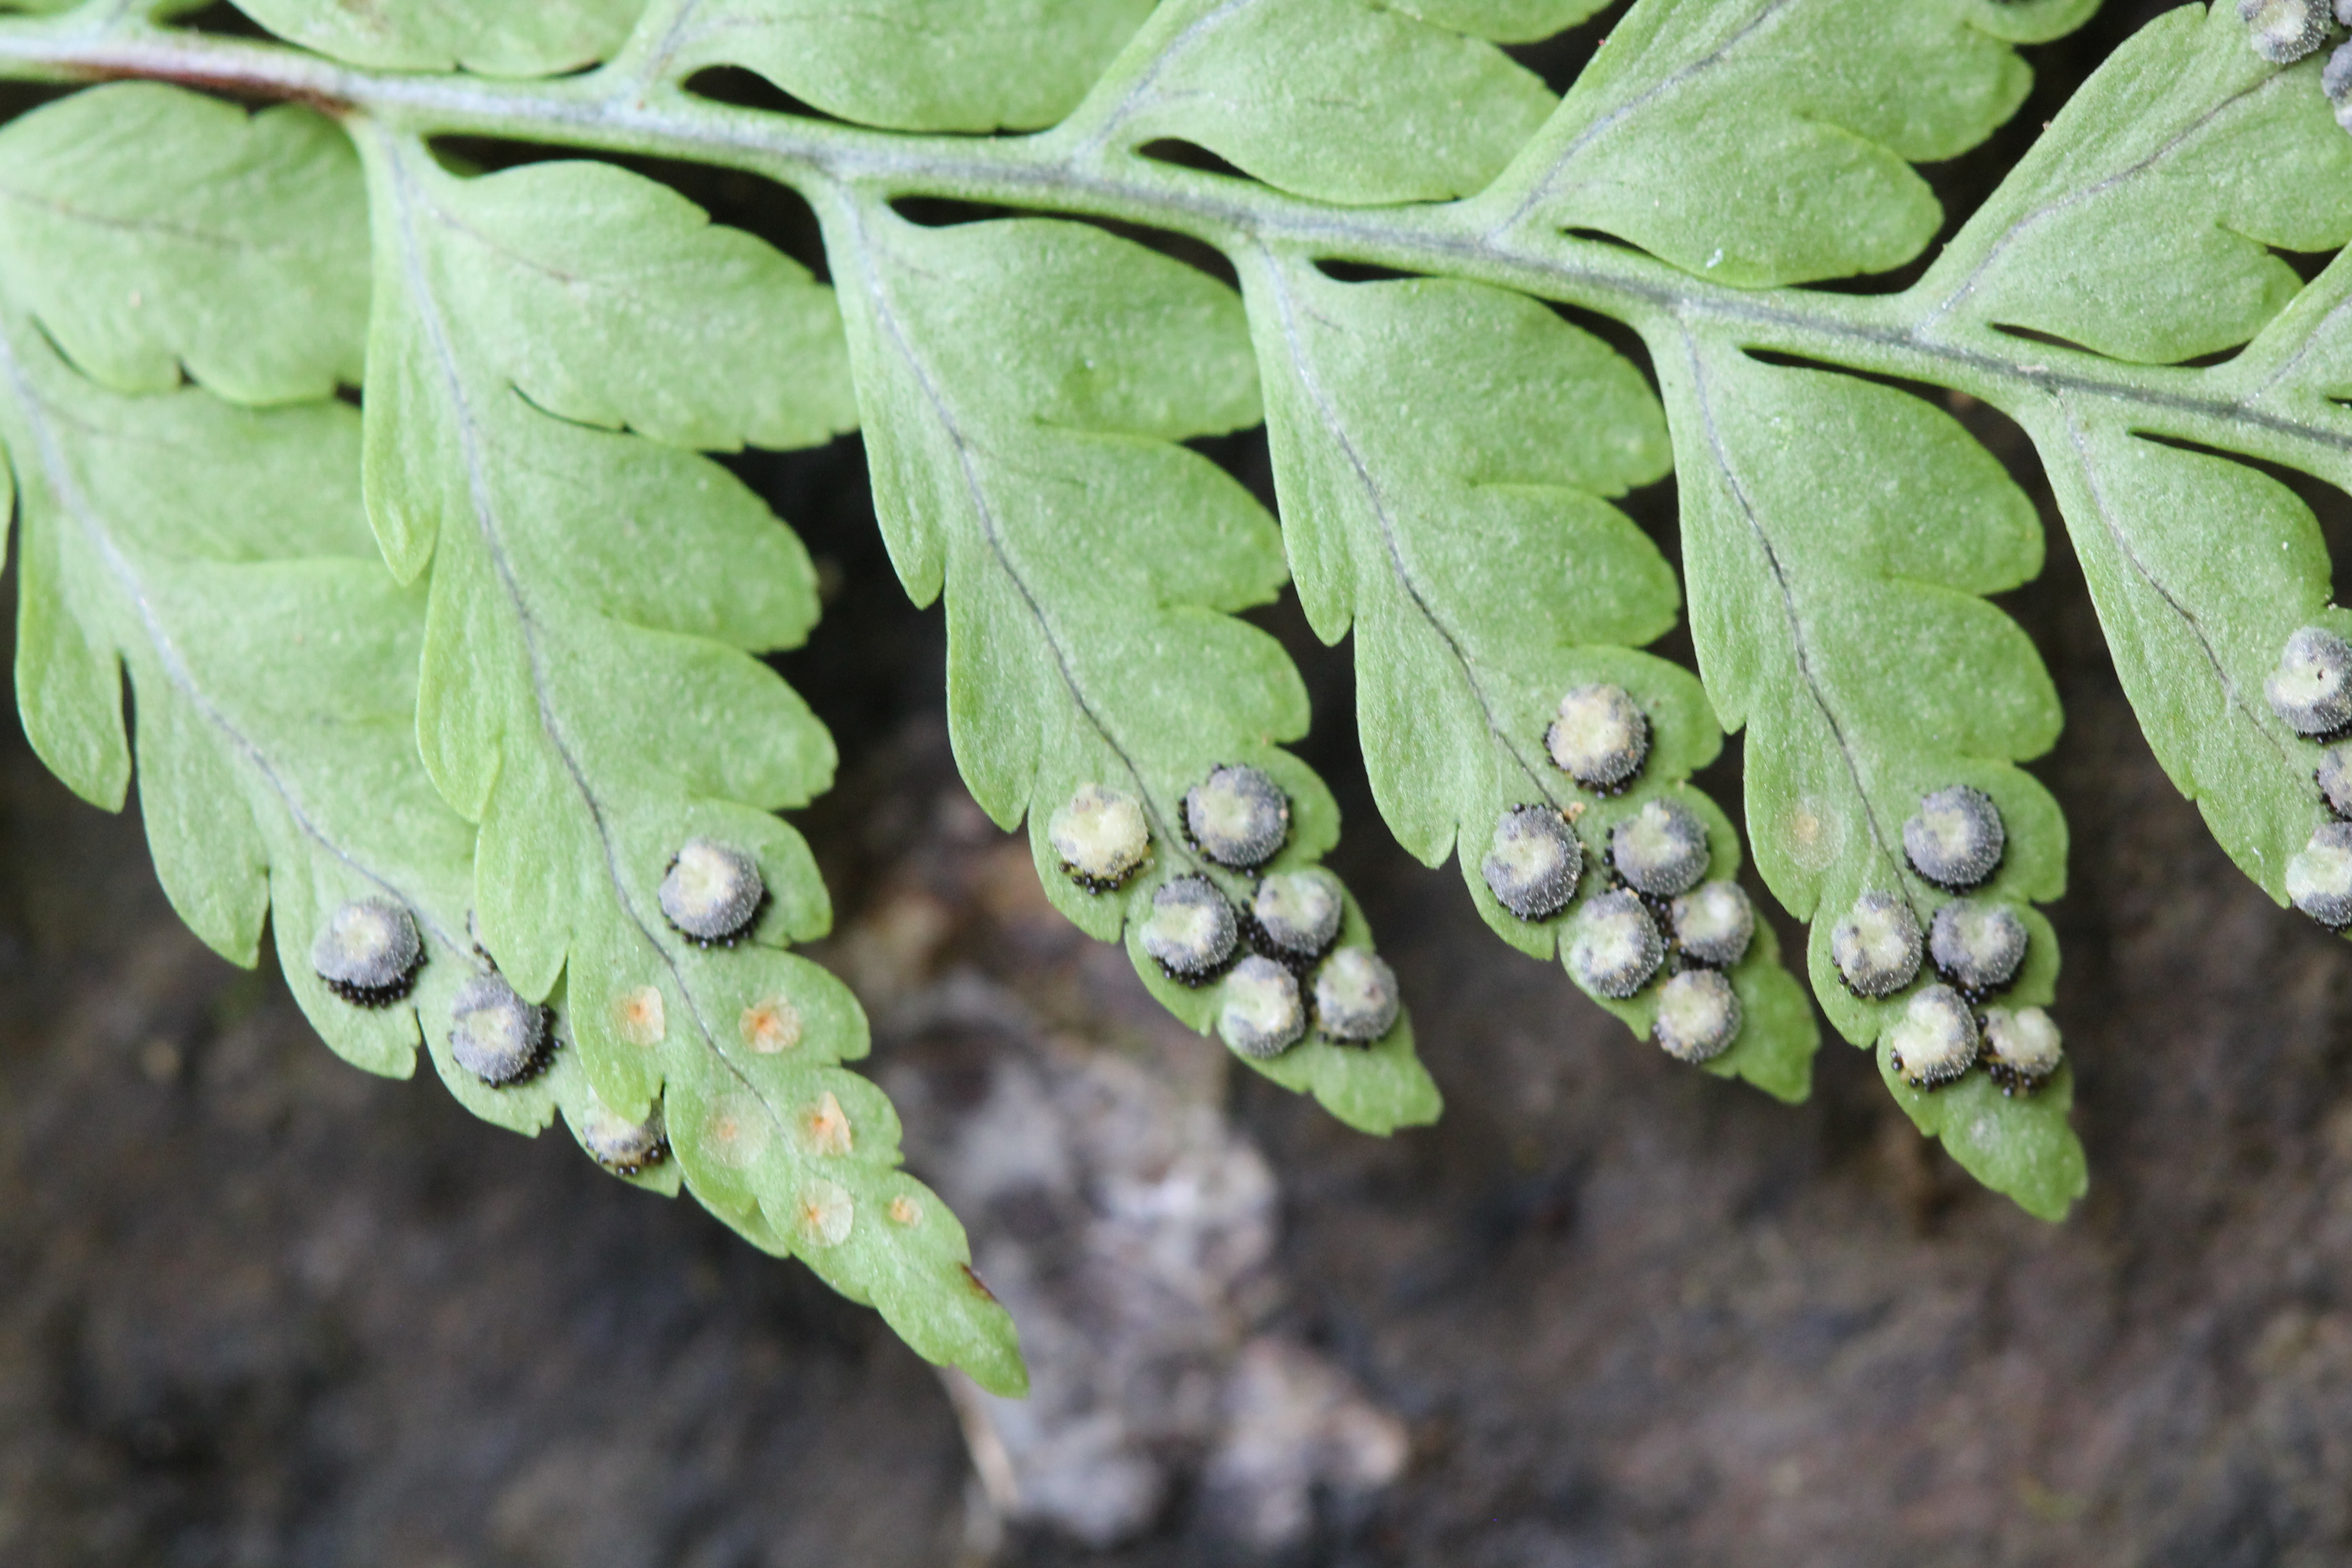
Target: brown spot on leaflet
(637,1016)
(824,1127)
(772,1026)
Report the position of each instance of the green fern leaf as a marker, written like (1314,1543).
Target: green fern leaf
(1345,100)
(1442,450)
(1793,124)
(2140,228)
(241,258)
(914,65)
(1503,21)
(222,556)
(588,697)
(1023,385)
(274,666)
(549,348)
(495,38)
(1833,599)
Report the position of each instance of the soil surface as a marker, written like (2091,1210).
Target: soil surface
(262,1309)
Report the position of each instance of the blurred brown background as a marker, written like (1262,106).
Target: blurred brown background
(256,1308)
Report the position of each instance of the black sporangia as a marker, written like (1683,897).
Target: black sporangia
(1616,946)
(1714,923)
(368,953)
(1101,836)
(1263,1014)
(2312,687)
(496,1035)
(1977,945)
(1877,945)
(1935,1040)
(2336,81)
(1600,737)
(1238,816)
(2285,30)
(2334,774)
(1190,930)
(1356,996)
(2021,1049)
(1661,849)
(1298,912)
(619,1144)
(710,892)
(2319,878)
(1534,862)
(1955,839)
(1698,1016)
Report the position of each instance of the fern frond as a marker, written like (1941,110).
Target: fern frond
(495,38)
(1833,584)
(2142,229)
(1794,125)
(1343,100)
(587,696)
(243,259)
(1024,385)
(1442,450)
(912,65)
(551,347)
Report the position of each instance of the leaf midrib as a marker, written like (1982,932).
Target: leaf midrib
(1800,647)
(976,491)
(1376,498)
(614,109)
(57,477)
(409,202)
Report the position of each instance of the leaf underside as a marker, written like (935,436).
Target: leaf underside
(488,646)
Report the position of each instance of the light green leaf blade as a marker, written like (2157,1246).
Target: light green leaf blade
(2200,568)
(2139,227)
(588,694)
(1441,450)
(2139,224)
(1504,21)
(1793,124)
(242,255)
(495,37)
(613,301)
(1343,100)
(912,65)
(1836,534)
(222,556)
(2025,1148)
(1023,385)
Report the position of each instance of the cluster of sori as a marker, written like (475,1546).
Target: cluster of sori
(1654,881)
(2285,30)
(2310,689)
(1275,961)
(1953,842)
(369,952)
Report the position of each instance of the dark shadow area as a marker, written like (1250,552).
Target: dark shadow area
(223,20)
(1343,272)
(2307,264)
(2035,335)
(942,212)
(775,213)
(1191,155)
(2330,505)
(1561,59)
(739,89)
